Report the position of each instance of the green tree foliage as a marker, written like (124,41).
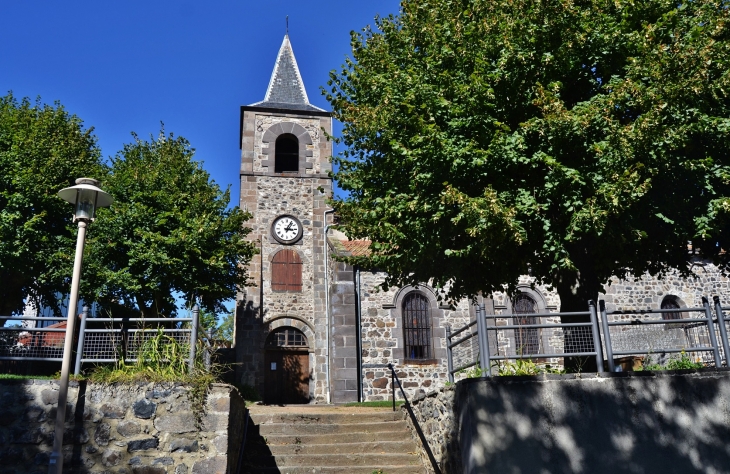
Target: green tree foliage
(43,149)
(573,140)
(169,232)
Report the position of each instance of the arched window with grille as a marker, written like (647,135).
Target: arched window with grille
(417,327)
(287,154)
(671,302)
(286,271)
(527,340)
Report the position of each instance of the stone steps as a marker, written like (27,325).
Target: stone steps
(335,438)
(308,446)
(325,439)
(320,417)
(342,428)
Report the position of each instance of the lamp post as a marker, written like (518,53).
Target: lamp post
(86,197)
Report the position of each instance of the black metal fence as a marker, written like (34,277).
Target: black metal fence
(98,340)
(493,339)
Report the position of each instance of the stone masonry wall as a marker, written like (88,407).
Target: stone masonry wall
(382,334)
(435,414)
(268,195)
(124,429)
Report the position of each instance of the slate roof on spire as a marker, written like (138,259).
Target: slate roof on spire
(286,88)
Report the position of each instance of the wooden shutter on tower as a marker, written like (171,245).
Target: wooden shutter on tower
(286,271)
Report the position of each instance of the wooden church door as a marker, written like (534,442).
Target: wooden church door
(287,368)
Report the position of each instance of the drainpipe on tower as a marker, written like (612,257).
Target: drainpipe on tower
(327,305)
(358,335)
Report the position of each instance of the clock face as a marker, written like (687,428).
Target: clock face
(287,229)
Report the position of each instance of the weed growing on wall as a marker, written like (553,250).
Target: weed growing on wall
(683,362)
(518,367)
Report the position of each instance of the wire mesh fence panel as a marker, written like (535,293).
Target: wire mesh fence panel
(652,337)
(26,338)
(161,342)
(657,336)
(124,339)
(536,335)
(102,345)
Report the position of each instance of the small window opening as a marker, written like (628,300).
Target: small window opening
(671,302)
(287,154)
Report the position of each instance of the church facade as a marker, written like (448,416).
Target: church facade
(311,329)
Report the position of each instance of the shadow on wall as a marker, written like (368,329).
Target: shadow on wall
(627,422)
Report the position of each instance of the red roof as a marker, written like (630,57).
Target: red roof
(357,248)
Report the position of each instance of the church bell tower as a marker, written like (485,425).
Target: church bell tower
(281,328)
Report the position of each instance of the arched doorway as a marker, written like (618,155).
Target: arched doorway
(287,367)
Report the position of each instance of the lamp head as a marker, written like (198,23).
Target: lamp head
(86,196)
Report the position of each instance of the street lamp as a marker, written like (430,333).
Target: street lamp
(86,197)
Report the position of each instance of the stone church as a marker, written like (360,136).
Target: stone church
(312,330)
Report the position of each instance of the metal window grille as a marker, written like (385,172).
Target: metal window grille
(527,340)
(417,326)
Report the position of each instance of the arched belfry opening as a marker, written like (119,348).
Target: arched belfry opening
(287,367)
(287,154)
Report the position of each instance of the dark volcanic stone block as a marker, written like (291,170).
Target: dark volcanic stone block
(142,444)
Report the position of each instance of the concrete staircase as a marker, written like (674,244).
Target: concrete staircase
(313,439)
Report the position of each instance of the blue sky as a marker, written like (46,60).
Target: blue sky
(126,66)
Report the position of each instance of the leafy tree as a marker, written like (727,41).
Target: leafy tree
(225,329)
(43,149)
(570,140)
(169,233)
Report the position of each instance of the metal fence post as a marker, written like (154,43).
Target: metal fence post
(484,358)
(596,336)
(449,355)
(723,330)
(711,331)
(607,336)
(80,346)
(193,338)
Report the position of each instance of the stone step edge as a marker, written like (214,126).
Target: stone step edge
(356,443)
(338,469)
(376,423)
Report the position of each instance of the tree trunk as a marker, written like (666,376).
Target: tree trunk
(575,289)
(144,311)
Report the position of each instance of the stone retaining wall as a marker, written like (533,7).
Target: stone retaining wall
(641,422)
(124,429)
(435,414)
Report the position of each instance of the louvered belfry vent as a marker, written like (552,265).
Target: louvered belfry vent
(286,271)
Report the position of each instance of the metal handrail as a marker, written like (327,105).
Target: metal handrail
(394,378)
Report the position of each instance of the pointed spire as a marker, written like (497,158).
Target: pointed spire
(286,88)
